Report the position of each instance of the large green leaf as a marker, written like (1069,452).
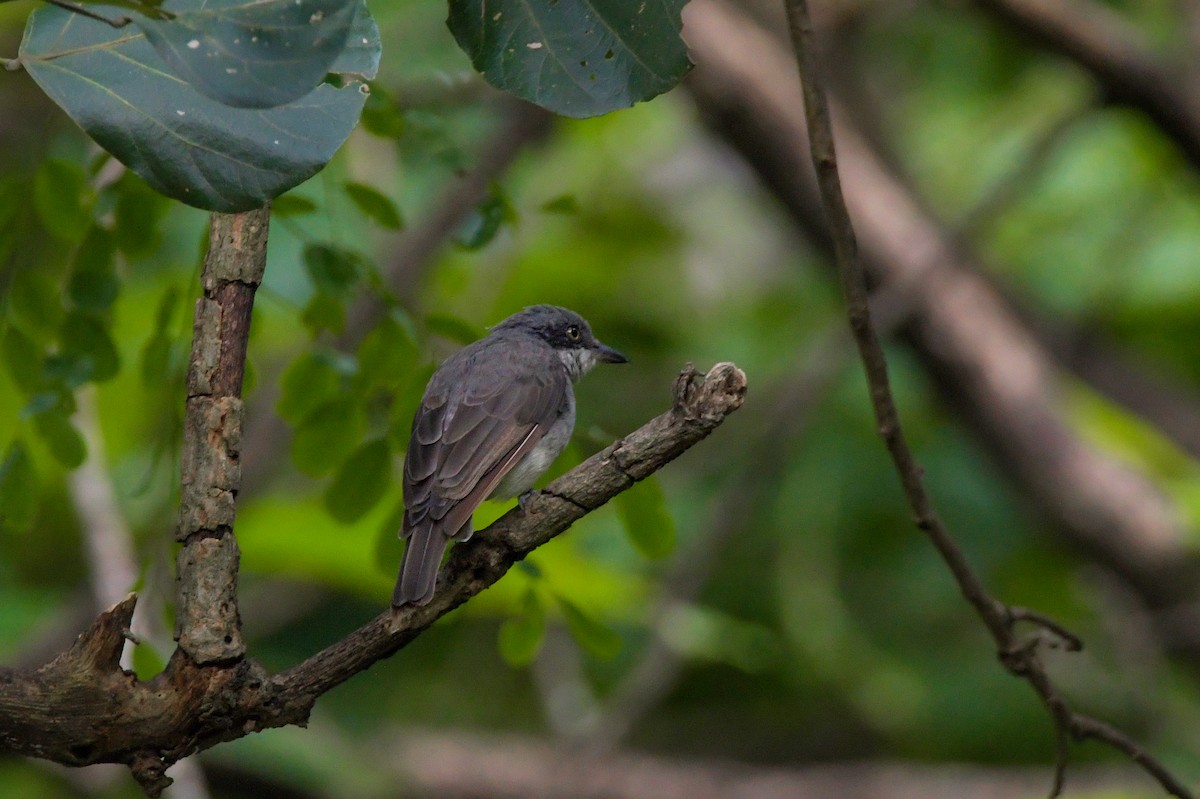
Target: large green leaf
(578,58)
(186,145)
(252,53)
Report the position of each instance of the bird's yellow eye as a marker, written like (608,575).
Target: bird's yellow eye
(573,332)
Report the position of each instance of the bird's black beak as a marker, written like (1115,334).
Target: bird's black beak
(607,354)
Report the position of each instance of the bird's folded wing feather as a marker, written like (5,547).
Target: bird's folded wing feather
(468,435)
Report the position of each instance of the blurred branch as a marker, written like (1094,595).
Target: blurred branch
(1099,40)
(1008,190)
(1020,658)
(1165,404)
(465,766)
(987,365)
(111,562)
(82,708)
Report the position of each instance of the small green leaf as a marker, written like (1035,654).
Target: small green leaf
(388,548)
(292,205)
(408,397)
(18,489)
(562,204)
(648,523)
(61,438)
(593,636)
(35,300)
(63,199)
(136,219)
(156,360)
(382,115)
(452,327)
(360,482)
(324,312)
(23,358)
(86,341)
(146,662)
(376,205)
(93,285)
(521,636)
(386,356)
(483,223)
(311,380)
(333,270)
(327,436)
(166,309)
(42,402)
(71,370)
(530,568)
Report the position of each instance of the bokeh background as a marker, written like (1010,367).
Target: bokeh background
(1030,215)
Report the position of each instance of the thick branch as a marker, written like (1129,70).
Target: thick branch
(1021,658)
(207,624)
(82,708)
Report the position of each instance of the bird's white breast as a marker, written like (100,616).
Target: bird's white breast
(533,465)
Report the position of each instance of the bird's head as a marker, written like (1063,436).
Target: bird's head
(568,333)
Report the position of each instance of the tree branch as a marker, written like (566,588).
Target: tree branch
(700,404)
(1019,658)
(82,708)
(207,625)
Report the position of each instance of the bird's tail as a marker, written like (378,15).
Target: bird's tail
(419,567)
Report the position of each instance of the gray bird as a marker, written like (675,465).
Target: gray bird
(494,417)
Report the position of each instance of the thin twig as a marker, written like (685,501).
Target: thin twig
(1020,659)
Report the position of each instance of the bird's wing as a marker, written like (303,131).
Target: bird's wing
(469,433)
(483,410)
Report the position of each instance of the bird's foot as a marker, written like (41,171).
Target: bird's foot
(525,498)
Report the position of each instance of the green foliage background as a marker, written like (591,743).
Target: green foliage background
(829,629)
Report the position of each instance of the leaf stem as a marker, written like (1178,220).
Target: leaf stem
(119,22)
